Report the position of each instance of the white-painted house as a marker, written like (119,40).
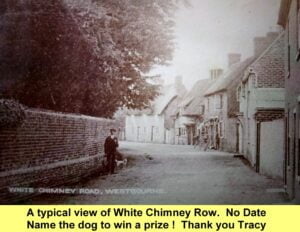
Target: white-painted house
(261,97)
(155,124)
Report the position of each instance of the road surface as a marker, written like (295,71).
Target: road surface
(168,174)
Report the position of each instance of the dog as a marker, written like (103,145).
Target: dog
(121,163)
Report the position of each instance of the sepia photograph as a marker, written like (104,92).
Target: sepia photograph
(150,102)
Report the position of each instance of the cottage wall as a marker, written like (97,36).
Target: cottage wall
(229,143)
(272,149)
(262,89)
(217,113)
(145,128)
(254,99)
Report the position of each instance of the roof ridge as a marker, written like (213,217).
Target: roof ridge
(224,82)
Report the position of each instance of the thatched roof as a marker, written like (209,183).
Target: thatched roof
(234,73)
(167,94)
(193,99)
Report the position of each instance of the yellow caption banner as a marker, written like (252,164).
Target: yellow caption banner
(149,218)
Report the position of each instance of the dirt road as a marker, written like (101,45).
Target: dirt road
(166,174)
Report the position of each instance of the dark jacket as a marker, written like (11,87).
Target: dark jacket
(110,145)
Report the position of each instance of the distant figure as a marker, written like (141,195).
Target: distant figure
(110,149)
(206,141)
(217,142)
(196,140)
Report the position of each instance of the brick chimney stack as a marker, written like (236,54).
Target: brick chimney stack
(262,43)
(178,83)
(272,36)
(234,58)
(215,73)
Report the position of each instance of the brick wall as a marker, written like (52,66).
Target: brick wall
(269,115)
(269,68)
(50,149)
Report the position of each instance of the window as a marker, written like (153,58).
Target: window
(208,104)
(221,126)
(218,101)
(221,101)
(178,132)
(152,133)
(182,131)
(202,109)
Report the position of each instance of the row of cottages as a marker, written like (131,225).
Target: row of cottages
(220,104)
(156,124)
(261,98)
(289,19)
(189,114)
(221,123)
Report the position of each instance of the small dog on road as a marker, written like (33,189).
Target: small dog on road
(121,163)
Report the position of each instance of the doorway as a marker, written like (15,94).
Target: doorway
(152,133)
(190,134)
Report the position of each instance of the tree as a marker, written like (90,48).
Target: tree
(93,56)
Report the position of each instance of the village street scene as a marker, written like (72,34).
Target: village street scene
(132,104)
(175,174)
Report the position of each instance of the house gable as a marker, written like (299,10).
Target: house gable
(269,67)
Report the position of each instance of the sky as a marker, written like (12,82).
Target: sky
(210,29)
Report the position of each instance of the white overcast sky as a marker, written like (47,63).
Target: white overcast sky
(210,29)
